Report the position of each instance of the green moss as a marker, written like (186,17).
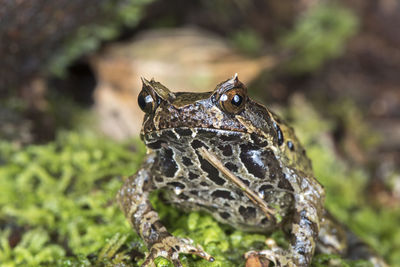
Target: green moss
(58,199)
(320,34)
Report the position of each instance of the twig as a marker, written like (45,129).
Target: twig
(213,160)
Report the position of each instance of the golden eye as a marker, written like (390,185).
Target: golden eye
(233,100)
(146,102)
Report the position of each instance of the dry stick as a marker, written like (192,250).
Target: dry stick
(213,160)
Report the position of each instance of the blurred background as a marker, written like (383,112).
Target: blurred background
(69,79)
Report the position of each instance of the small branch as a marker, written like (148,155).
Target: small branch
(213,160)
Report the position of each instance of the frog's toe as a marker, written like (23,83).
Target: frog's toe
(268,254)
(276,255)
(256,261)
(170,247)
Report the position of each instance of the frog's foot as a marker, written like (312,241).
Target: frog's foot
(170,247)
(276,255)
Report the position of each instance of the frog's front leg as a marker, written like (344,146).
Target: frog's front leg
(133,198)
(304,226)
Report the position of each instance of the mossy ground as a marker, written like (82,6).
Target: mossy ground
(58,204)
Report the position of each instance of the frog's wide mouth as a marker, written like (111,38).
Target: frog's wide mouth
(186,134)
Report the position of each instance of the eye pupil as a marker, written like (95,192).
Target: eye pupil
(237,100)
(141,102)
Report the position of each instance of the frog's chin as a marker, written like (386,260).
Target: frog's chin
(187,135)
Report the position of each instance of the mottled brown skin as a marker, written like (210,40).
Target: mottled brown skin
(254,144)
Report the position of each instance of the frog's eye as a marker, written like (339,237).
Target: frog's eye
(233,101)
(146,101)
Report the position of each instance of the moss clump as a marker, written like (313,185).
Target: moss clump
(58,199)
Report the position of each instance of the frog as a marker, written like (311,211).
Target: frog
(249,142)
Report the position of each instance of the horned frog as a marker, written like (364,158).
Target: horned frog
(225,154)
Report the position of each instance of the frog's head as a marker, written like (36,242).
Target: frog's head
(226,109)
(220,118)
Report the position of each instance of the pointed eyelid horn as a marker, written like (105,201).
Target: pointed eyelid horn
(229,84)
(158,89)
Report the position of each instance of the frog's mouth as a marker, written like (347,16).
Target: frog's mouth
(185,135)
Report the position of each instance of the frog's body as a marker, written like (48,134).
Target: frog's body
(252,143)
